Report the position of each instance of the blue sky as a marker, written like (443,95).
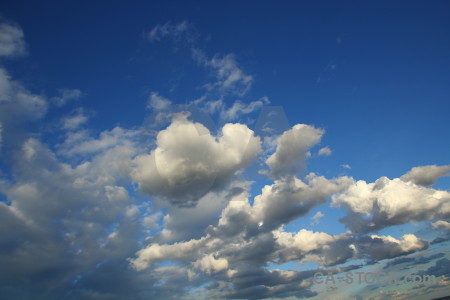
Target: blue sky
(133,132)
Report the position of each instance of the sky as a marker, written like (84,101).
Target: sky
(224,150)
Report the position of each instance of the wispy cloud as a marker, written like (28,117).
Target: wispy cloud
(66,96)
(12,41)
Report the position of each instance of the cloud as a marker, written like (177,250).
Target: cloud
(413,261)
(185,223)
(74,121)
(277,205)
(386,202)
(62,222)
(440,268)
(426,175)
(325,151)
(310,246)
(238,108)
(316,218)
(291,198)
(11,40)
(80,142)
(188,250)
(18,107)
(209,264)
(175,31)
(249,235)
(19,104)
(441,224)
(158,102)
(230,78)
(377,247)
(256,283)
(292,150)
(66,96)
(189,161)
(444,231)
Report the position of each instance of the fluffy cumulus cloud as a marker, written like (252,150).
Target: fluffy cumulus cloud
(291,198)
(386,202)
(292,150)
(189,161)
(309,246)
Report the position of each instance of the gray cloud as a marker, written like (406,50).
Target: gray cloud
(376,248)
(426,175)
(11,40)
(188,161)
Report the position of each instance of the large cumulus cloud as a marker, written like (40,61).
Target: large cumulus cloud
(387,202)
(189,161)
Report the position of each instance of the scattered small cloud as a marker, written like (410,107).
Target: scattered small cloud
(316,218)
(66,96)
(176,31)
(157,102)
(325,151)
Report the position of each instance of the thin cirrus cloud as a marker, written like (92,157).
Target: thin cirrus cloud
(121,214)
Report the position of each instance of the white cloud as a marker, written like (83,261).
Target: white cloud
(185,223)
(304,241)
(292,150)
(292,198)
(426,175)
(11,40)
(325,151)
(209,264)
(390,202)
(66,96)
(18,107)
(189,161)
(316,218)
(17,102)
(81,143)
(238,108)
(230,78)
(158,253)
(441,224)
(74,121)
(158,102)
